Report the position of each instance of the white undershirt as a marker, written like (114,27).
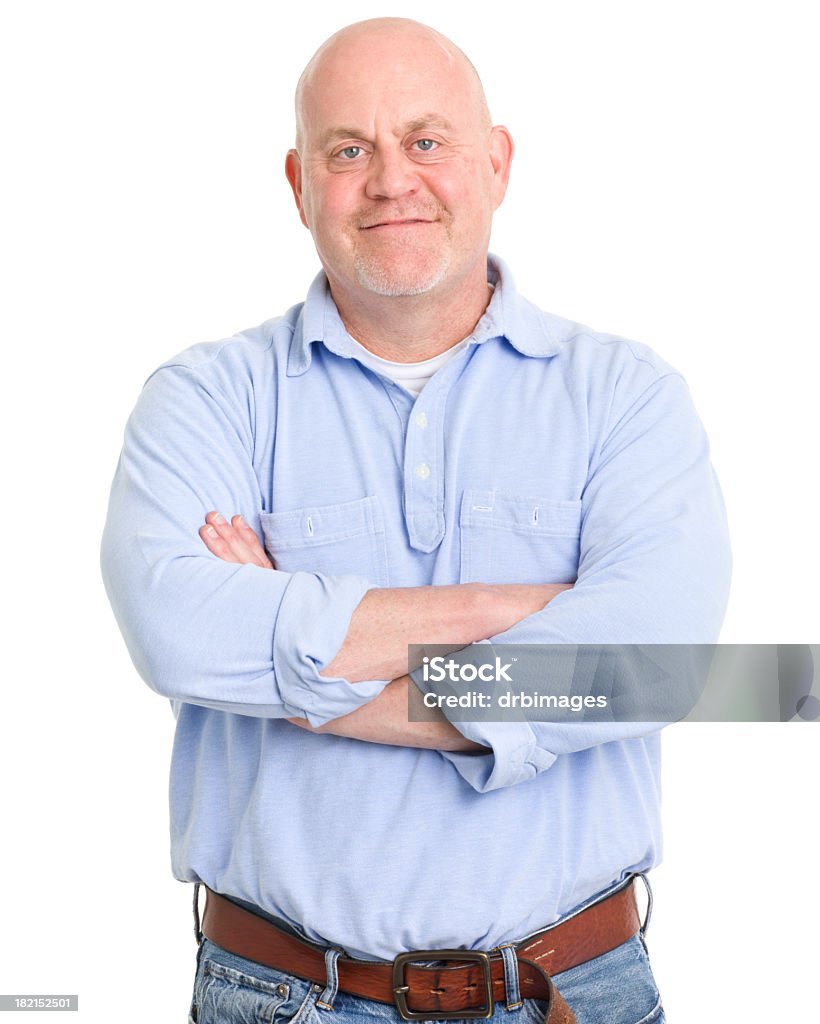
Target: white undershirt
(412,376)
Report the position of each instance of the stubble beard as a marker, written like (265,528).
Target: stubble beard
(412,269)
(388,278)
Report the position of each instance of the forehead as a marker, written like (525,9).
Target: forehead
(391,82)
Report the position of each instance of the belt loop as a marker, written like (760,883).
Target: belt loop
(650,901)
(325,1000)
(197,923)
(511,984)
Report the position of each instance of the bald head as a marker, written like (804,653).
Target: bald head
(398,169)
(379,42)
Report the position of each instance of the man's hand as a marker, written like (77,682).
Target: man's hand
(233,541)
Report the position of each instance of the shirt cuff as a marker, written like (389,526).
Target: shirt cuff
(311,626)
(514,755)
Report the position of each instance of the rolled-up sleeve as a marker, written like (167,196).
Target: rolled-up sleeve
(654,568)
(237,638)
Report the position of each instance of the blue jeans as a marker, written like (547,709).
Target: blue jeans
(617,988)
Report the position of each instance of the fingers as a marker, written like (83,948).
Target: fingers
(249,538)
(234,541)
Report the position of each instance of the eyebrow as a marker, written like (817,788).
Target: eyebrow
(417,124)
(428,121)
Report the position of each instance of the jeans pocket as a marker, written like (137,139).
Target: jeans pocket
(616,988)
(240,994)
(532,1012)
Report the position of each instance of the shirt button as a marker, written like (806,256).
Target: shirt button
(422,471)
(421,420)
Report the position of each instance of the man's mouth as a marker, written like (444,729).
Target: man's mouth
(397,222)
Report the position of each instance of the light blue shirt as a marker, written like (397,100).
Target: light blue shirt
(542,452)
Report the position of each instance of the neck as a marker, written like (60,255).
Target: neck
(412,328)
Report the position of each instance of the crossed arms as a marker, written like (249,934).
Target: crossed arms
(247,638)
(382,626)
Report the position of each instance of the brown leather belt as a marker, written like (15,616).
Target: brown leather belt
(462,984)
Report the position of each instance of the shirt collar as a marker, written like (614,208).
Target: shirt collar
(530,330)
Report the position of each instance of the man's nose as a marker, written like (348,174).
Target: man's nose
(392,175)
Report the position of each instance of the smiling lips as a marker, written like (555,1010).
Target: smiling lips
(398,223)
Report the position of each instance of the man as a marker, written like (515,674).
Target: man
(429,459)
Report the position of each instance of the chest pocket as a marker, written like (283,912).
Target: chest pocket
(336,540)
(512,539)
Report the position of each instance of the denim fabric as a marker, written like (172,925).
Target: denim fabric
(617,988)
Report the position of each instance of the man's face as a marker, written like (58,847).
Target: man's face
(400,172)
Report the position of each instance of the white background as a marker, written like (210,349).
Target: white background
(664,188)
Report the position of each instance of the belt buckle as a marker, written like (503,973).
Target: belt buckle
(400,989)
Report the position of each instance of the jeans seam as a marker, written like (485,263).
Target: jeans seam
(654,1013)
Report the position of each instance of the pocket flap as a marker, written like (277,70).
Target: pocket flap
(324,524)
(525,514)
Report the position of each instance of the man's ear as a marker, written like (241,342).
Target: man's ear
(501,154)
(293,172)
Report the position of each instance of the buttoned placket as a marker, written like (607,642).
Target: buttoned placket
(424,462)
(423,421)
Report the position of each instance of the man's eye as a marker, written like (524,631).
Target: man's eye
(350,152)
(425,145)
